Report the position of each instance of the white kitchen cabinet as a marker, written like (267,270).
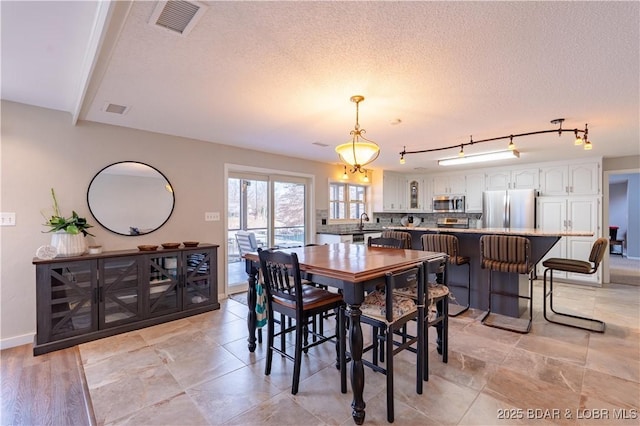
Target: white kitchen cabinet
(449,184)
(394,192)
(570,214)
(572,179)
(526,178)
(416,192)
(473,192)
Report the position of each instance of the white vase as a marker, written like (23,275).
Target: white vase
(68,245)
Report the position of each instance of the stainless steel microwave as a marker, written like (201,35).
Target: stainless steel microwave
(448,204)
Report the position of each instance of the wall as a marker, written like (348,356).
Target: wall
(42,150)
(618,208)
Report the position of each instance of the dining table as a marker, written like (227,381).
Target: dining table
(354,269)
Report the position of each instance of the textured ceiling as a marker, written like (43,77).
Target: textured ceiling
(277,76)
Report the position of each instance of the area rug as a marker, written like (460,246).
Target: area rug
(239,297)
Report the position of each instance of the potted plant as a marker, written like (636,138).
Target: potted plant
(68,232)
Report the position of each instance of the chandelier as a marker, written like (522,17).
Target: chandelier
(360,151)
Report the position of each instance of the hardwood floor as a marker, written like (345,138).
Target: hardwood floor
(46,390)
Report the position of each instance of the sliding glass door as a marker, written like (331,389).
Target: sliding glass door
(272,207)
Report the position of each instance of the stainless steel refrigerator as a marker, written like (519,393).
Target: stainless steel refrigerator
(514,208)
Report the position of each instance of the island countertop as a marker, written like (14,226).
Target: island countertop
(527,232)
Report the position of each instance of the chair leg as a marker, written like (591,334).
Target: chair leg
(445,330)
(270,342)
(468,287)
(599,326)
(342,348)
(489,308)
(420,349)
(389,355)
(300,327)
(283,336)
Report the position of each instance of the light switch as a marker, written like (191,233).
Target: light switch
(7,219)
(211,216)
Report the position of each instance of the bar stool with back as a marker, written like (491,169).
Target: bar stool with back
(511,254)
(575,266)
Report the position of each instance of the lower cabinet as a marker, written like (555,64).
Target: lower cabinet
(84,298)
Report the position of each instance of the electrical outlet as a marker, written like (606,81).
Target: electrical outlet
(7,219)
(211,216)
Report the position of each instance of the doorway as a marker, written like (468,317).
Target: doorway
(272,206)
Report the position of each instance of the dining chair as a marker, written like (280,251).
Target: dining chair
(388,312)
(385,242)
(289,297)
(447,243)
(400,235)
(509,254)
(577,267)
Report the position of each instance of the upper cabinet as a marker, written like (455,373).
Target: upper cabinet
(512,179)
(416,193)
(572,179)
(473,192)
(394,192)
(449,184)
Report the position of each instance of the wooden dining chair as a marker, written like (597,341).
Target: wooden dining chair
(387,312)
(287,296)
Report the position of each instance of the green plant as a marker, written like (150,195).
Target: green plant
(72,225)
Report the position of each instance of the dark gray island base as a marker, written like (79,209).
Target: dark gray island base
(469,239)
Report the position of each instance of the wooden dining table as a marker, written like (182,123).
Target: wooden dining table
(354,269)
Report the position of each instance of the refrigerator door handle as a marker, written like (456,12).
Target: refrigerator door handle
(506,221)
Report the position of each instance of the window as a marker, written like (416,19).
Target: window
(346,201)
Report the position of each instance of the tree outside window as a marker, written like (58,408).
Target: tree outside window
(346,201)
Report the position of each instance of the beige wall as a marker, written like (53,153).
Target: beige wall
(42,150)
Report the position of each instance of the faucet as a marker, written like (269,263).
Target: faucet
(365,217)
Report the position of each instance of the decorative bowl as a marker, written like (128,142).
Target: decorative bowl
(147,247)
(170,245)
(191,243)
(410,221)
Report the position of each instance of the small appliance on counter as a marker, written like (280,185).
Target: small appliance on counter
(453,222)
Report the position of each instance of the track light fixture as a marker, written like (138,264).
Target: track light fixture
(581,137)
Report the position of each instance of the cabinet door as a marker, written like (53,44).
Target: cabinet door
(552,216)
(497,180)
(67,300)
(162,295)
(415,193)
(525,179)
(120,291)
(457,184)
(391,191)
(440,185)
(554,180)
(473,192)
(584,179)
(200,278)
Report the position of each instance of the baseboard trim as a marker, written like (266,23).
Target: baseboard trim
(12,342)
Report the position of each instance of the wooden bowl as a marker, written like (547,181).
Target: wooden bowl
(170,245)
(191,243)
(147,247)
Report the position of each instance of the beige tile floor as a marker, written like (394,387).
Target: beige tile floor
(198,371)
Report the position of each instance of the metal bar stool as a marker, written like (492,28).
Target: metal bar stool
(576,266)
(445,243)
(504,253)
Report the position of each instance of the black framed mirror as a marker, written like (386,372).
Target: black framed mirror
(130,198)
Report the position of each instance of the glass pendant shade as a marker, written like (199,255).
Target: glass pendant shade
(357,153)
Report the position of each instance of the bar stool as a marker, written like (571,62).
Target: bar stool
(504,253)
(403,236)
(445,243)
(575,266)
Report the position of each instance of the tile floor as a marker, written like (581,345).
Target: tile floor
(198,371)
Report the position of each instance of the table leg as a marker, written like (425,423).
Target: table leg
(252,272)
(357,368)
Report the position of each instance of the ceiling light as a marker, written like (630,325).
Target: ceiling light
(587,145)
(511,146)
(461,153)
(578,140)
(360,151)
(366,176)
(489,156)
(345,176)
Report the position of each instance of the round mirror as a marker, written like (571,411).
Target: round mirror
(130,198)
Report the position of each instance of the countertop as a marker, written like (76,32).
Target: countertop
(529,232)
(354,231)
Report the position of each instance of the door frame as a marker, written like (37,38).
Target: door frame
(310,223)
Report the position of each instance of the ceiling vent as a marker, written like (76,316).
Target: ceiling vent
(115,108)
(177,15)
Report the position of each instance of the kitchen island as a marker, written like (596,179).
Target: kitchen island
(469,239)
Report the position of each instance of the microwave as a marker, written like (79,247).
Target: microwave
(448,204)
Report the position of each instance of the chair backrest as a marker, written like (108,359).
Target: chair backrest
(505,253)
(399,235)
(385,242)
(246,242)
(409,277)
(441,243)
(597,252)
(281,275)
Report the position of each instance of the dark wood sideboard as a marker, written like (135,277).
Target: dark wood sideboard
(88,297)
